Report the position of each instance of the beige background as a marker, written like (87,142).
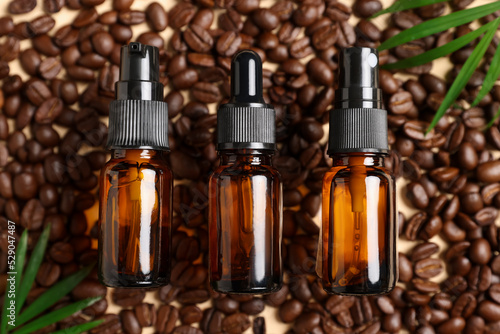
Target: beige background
(274,326)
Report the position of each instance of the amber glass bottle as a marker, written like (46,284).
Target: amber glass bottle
(245,241)
(135,204)
(245,190)
(136,187)
(359,233)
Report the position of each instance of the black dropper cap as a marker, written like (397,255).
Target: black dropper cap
(358,123)
(246,122)
(138,118)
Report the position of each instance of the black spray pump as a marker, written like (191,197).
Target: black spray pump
(358,123)
(246,122)
(138,118)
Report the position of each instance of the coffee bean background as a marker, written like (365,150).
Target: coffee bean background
(58,65)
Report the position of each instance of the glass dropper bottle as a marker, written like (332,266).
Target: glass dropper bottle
(359,234)
(245,190)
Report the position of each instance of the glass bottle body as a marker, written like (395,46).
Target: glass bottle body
(245,224)
(359,227)
(135,219)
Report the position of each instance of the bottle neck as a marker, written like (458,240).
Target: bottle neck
(358,159)
(136,154)
(246,156)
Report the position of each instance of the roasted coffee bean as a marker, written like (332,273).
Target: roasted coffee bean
(253,307)
(21,6)
(88,288)
(423,251)
(48,273)
(129,322)
(131,17)
(306,322)
(228,43)
(400,103)
(198,39)
(300,48)
(30,61)
(61,252)
(25,186)
(290,310)
(32,216)
(111,324)
(205,92)
(428,268)
(366,8)
(480,251)
(128,297)
(49,110)
(417,195)
(193,297)
(318,71)
(405,268)
(431,228)
(325,37)
(166,319)
(190,314)
(489,172)
(490,311)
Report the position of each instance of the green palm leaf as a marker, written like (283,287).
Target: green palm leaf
(490,78)
(56,315)
(20,258)
(32,268)
(441,51)
(405,5)
(490,123)
(466,72)
(439,24)
(51,296)
(80,328)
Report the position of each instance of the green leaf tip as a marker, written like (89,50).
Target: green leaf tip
(439,24)
(405,5)
(466,72)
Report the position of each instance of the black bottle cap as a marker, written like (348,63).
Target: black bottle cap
(246,122)
(358,123)
(138,118)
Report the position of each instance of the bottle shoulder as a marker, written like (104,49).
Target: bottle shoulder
(117,165)
(245,170)
(346,171)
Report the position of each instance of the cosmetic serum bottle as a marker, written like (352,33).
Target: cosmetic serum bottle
(359,227)
(136,184)
(245,207)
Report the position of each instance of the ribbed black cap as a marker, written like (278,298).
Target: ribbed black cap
(138,118)
(358,123)
(246,122)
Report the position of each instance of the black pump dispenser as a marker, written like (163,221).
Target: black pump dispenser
(138,118)
(358,123)
(246,122)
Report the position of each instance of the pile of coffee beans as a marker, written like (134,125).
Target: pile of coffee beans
(53,128)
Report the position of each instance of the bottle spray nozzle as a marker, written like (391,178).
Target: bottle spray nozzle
(246,78)
(139,73)
(358,79)
(358,68)
(138,118)
(358,122)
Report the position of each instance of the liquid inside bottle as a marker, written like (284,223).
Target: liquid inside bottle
(134,239)
(359,232)
(245,224)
